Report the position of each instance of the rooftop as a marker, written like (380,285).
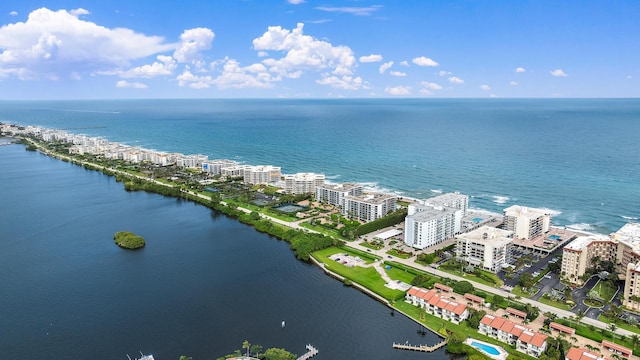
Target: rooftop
(523,211)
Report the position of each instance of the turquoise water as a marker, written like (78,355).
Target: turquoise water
(577,157)
(554,237)
(486,348)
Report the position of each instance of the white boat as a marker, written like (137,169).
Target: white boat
(283,324)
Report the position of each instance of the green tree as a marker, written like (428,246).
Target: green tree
(463,287)
(278,354)
(525,280)
(256,349)
(184,357)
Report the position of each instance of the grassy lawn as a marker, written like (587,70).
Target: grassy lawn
(558,304)
(517,291)
(322,230)
(606,289)
(370,246)
(469,277)
(620,324)
(400,274)
(395,252)
(367,277)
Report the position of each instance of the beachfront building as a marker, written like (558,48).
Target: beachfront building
(486,247)
(577,255)
(524,339)
(453,200)
(261,174)
(525,222)
(369,207)
(427,226)
(621,247)
(191,161)
(235,171)
(215,166)
(302,183)
(438,304)
(334,194)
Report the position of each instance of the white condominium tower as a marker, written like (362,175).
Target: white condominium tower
(302,183)
(369,207)
(435,220)
(525,222)
(486,247)
(334,194)
(261,174)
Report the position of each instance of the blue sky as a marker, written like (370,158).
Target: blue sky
(319,49)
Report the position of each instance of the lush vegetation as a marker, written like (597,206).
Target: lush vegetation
(391,219)
(255,351)
(128,240)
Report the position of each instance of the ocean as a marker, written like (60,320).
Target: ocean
(577,157)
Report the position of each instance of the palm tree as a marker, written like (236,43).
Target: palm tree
(246,345)
(613,328)
(257,349)
(635,339)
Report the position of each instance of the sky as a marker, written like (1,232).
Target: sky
(121,49)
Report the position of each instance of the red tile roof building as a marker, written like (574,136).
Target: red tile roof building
(474,298)
(437,304)
(564,329)
(581,354)
(442,287)
(516,312)
(617,349)
(525,339)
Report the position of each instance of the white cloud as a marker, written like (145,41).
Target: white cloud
(629,77)
(398,90)
(384,67)
(493,95)
(558,73)
(485,87)
(359,11)
(13,13)
(56,44)
(456,80)
(192,42)
(513,83)
(303,52)
(164,67)
(430,85)
(263,54)
(520,70)
(404,63)
(238,77)
(425,92)
(444,73)
(370,58)
(345,82)
(79,11)
(194,81)
(398,73)
(130,85)
(295,2)
(424,61)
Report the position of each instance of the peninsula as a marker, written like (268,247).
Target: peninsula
(460,282)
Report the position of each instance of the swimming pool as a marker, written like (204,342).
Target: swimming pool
(554,237)
(485,348)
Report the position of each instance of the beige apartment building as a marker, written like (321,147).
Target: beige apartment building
(621,247)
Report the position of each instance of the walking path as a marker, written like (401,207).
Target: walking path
(311,352)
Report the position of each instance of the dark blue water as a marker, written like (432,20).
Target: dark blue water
(577,157)
(201,286)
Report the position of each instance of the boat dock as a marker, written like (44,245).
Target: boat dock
(423,348)
(311,352)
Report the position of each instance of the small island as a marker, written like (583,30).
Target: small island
(128,240)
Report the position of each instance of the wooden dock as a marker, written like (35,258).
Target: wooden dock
(311,352)
(423,348)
